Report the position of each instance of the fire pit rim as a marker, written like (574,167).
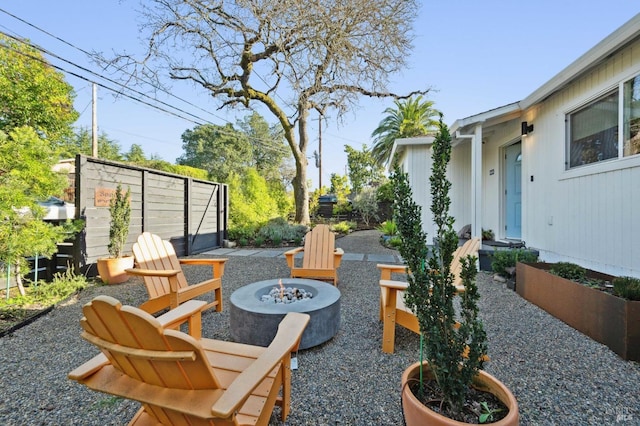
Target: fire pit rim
(248,297)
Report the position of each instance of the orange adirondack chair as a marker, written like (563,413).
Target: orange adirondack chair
(182,379)
(166,284)
(321,259)
(392,308)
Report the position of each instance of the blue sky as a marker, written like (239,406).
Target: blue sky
(474,55)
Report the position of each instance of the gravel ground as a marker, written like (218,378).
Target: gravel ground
(558,375)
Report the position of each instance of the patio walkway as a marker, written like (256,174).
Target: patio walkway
(279,253)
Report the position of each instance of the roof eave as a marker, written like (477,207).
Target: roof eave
(615,41)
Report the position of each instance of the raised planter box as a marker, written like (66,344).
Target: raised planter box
(605,318)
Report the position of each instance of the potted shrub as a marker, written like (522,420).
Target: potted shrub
(112,269)
(601,306)
(452,344)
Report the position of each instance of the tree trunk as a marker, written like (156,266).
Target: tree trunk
(300,188)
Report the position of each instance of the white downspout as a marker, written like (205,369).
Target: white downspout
(476,179)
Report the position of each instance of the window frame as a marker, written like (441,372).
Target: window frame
(622,124)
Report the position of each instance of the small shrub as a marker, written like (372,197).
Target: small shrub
(503,259)
(258,241)
(569,271)
(243,242)
(245,232)
(366,204)
(488,235)
(297,241)
(64,284)
(395,241)
(276,241)
(342,208)
(344,227)
(388,227)
(627,288)
(278,230)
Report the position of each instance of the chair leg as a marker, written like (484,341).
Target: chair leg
(218,294)
(389,323)
(286,387)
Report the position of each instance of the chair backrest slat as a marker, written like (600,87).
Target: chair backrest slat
(151,252)
(318,248)
(133,341)
(470,247)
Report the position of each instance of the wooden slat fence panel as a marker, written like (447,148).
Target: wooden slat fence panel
(178,208)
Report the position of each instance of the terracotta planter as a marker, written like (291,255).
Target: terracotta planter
(416,414)
(112,271)
(605,318)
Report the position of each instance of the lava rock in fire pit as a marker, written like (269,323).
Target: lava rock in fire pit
(286,295)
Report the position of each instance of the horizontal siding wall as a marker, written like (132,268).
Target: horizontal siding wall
(585,215)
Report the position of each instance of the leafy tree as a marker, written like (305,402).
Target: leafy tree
(249,200)
(288,56)
(220,150)
(366,204)
(135,154)
(340,188)
(26,177)
(268,147)
(410,117)
(32,93)
(81,143)
(177,169)
(363,169)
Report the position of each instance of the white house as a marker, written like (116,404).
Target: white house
(560,169)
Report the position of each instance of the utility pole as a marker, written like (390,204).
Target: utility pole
(94,122)
(320,150)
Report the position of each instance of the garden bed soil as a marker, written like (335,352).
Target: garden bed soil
(595,312)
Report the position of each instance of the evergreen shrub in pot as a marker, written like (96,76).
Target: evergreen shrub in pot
(452,344)
(112,269)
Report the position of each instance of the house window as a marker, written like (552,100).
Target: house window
(593,132)
(631,145)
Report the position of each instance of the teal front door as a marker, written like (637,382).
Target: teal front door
(513,191)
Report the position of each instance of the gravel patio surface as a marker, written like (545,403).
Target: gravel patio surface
(558,375)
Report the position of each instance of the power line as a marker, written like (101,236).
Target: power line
(45,51)
(94,56)
(263,142)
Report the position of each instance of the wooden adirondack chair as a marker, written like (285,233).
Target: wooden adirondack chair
(182,379)
(392,308)
(321,259)
(158,265)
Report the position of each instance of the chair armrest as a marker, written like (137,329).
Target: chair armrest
(337,257)
(287,339)
(216,264)
(88,368)
(387,270)
(290,254)
(187,311)
(394,285)
(164,273)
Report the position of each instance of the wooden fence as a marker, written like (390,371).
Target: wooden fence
(191,213)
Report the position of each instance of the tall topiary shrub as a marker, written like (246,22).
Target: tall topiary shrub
(454,355)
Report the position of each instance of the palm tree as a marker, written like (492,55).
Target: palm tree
(409,118)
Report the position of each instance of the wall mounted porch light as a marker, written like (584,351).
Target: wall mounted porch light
(526,128)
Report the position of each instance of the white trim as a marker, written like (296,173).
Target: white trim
(605,166)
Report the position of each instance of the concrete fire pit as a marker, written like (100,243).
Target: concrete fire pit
(255,322)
